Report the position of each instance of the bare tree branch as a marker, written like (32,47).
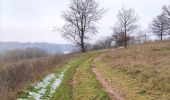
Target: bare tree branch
(126,25)
(80,21)
(159,25)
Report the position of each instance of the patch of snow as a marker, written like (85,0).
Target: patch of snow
(67,52)
(51,81)
(55,85)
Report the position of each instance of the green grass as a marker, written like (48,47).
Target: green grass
(64,91)
(87,88)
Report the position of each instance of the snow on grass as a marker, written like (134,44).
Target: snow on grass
(44,89)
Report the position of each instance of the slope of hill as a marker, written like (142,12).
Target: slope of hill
(49,47)
(140,72)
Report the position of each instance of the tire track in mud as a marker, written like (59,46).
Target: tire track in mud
(114,95)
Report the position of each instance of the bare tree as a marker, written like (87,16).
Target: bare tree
(108,42)
(159,26)
(126,25)
(80,21)
(103,43)
(166,11)
(119,37)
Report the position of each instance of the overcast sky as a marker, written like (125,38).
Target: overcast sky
(33,20)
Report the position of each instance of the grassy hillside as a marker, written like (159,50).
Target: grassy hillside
(140,72)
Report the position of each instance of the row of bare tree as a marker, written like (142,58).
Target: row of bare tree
(82,16)
(161,23)
(126,27)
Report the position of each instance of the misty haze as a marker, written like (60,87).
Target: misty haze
(84,50)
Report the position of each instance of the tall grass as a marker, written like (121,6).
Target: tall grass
(15,75)
(144,68)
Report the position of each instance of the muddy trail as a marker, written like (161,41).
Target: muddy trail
(113,92)
(82,84)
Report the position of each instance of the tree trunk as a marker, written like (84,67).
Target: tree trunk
(82,44)
(125,42)
(125,38)
(161,36)
(83,48)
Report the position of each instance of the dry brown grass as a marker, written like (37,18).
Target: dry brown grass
(147,66)
(15,76)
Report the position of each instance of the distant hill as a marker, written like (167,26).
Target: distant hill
(49,47)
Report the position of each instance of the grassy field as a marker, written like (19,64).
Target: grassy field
(86,86)
(139,72)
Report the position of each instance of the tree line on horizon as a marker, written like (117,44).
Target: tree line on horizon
(83,15)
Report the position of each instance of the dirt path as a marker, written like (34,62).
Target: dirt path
(112,92)
(74,83)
